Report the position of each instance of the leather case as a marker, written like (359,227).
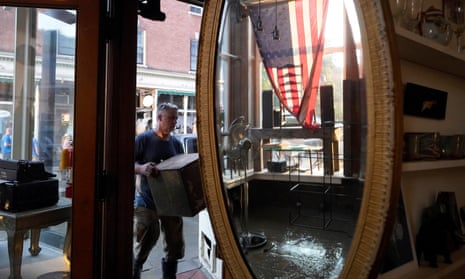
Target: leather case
(23,170)
(20,196)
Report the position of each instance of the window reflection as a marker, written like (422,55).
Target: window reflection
(37,90)
(291,125)
(37,79)
(341,71)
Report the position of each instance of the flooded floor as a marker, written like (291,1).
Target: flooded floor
(295,251)
(291,249)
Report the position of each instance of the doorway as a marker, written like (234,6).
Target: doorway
(86,103)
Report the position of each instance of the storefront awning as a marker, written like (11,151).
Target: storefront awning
(175,92)
(6,79)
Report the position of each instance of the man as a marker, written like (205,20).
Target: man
(152,147)
(6,144)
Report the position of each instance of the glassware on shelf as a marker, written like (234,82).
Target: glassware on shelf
(412,15)
(454,11)
(397,8)
(435,27)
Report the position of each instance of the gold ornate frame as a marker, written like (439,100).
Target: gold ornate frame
(383,151)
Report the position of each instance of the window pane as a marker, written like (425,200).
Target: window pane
(191,125)
(37,86)
(196,10)
(191,102)
(168,98)
(6,89)
(140,47)
(194,49)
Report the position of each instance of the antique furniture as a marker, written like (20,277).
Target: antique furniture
(17,224)
(383,133)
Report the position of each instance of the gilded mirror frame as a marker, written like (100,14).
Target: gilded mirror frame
(382,181)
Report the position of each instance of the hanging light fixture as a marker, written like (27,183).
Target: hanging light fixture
(147,101)
(275,30)
(259,24)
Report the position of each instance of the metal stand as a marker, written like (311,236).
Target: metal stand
(248,240)
(302,189)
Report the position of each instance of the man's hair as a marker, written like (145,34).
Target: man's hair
(165,106)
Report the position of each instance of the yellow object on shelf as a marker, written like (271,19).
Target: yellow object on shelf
(64,159)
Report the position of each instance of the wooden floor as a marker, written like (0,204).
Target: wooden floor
(193,274)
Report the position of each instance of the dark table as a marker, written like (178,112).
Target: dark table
(16,224)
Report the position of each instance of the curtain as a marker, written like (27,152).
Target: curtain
(291,44)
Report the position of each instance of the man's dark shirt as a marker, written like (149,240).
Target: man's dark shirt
(149,147)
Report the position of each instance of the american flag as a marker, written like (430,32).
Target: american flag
(293,62)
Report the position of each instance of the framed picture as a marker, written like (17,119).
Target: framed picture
(424,101)
(449,199)
(400,249)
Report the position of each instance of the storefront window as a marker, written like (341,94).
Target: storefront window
(37,86)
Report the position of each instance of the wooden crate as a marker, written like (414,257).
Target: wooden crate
(177,190)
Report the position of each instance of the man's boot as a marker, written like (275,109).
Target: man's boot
(136,272)
(169,269)
(136,269)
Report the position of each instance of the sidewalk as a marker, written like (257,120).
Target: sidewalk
(51,259)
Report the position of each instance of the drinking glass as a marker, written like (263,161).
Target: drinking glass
(454,12)
(412,14)
(397,8)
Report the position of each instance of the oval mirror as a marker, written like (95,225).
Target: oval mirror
(298,128)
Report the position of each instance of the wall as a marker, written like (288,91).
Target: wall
(420,187)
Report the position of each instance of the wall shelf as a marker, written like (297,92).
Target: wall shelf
(434,64)
(431,165)
(415,48)
(412,271)
(444,270)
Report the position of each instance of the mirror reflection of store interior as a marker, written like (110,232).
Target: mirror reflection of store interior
(291,131)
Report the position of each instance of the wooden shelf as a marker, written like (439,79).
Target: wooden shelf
(431,165)
(415,48)
(433,55)
(444,270)
(412,271)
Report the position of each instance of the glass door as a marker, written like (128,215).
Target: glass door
(64,104)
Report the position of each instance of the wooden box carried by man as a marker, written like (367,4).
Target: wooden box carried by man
(177,190)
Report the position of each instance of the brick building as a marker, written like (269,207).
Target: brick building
(166,63)
(167,59)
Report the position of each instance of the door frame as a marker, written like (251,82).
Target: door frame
(105,82)
(116,201)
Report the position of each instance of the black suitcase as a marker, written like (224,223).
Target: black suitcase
(23,170)
(21,196)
